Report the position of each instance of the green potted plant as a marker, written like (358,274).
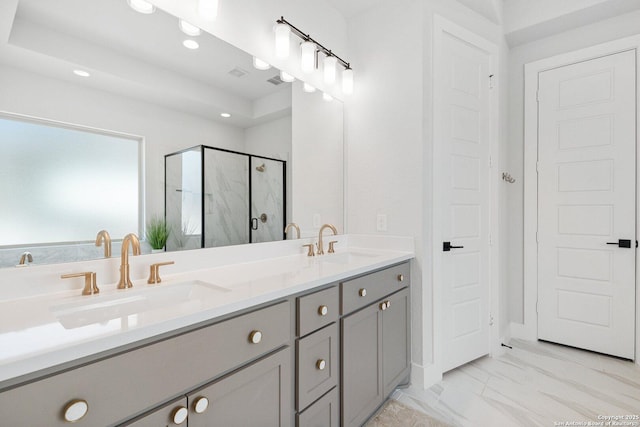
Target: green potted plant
(157,233)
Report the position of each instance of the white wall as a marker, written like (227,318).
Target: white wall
(388,126)
(611,29)
(164,131)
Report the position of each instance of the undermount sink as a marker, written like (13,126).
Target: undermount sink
(101,308)
(348,257)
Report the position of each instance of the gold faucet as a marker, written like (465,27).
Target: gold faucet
(103,236)
(25,257)
(320,244)
(289,227)
(125,281)
(90,285)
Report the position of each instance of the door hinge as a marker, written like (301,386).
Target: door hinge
(490,240)
(537,238)
(538,96)
(537,166)
(491,81)
(490,319)
(490,162)
(536,307)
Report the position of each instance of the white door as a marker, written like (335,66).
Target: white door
(464,99)
(587,204)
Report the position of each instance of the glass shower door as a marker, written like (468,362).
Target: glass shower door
(267,199)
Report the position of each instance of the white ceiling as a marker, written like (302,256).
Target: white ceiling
(351,8)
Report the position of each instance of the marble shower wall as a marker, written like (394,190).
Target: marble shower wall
(267,196)
(226,198)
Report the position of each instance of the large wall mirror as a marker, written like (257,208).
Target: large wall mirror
(100,67)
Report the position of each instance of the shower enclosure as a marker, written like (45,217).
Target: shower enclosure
(216,197)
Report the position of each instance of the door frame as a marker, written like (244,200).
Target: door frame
(440,27)
(529,329)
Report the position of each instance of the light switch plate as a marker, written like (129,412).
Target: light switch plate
(381,222)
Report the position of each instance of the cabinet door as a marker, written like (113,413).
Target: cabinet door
(362,386)
(395,340)
(169,415)
(323,413)
(258,395)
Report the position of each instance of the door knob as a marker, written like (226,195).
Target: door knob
(622,243)
(446,246)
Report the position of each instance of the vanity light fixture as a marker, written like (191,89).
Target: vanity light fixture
(309,50)
(208,9)
(225,115)
(191,44)
(283,33)
(286,77)
(308,88)
(259,64)
(141,6)
(189,29)
(327,97)
(81,73)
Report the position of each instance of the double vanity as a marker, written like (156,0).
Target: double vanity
(252,335)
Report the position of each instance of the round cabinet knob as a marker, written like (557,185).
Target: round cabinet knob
(255,337)
(400,277)
(200,405)
(323,310)
(321,364)
(388,304)
(383,306)
(75,410)
(180,415)
(362,292)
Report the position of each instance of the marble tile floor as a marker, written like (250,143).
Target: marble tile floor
(533,384)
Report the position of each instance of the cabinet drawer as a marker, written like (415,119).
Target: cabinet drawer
(317,310)
(131,383)
(323,413)
(317,365)
(364,290)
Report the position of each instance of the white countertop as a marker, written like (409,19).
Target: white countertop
(34,336)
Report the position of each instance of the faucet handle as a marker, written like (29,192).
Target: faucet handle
(331,249)
(310,251)
(90,285)
(154,272)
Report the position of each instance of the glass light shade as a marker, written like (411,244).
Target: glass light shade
(308,88)
(189,29)
(347,81)
(307,57)
(141,6)
(208,9)
(259,64)
(282,40)
(327,97)
(286,77)
(330,69)
(190,44)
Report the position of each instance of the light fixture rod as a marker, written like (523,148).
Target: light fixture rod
(307,37)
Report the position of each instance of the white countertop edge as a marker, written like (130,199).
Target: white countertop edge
(17,371)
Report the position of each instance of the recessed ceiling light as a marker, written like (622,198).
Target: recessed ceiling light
(260,64)
(225,115)
(189,29)
(286,77)
(81,73)
(308,88)
(190,44)
(142,6)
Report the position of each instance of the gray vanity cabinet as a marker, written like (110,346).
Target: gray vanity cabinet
(375,341)
(258,395)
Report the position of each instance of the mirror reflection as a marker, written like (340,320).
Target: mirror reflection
(68,62)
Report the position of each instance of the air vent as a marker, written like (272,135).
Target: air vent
(238,72)
(275,80)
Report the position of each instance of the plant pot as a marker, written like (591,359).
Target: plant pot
(157,251)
